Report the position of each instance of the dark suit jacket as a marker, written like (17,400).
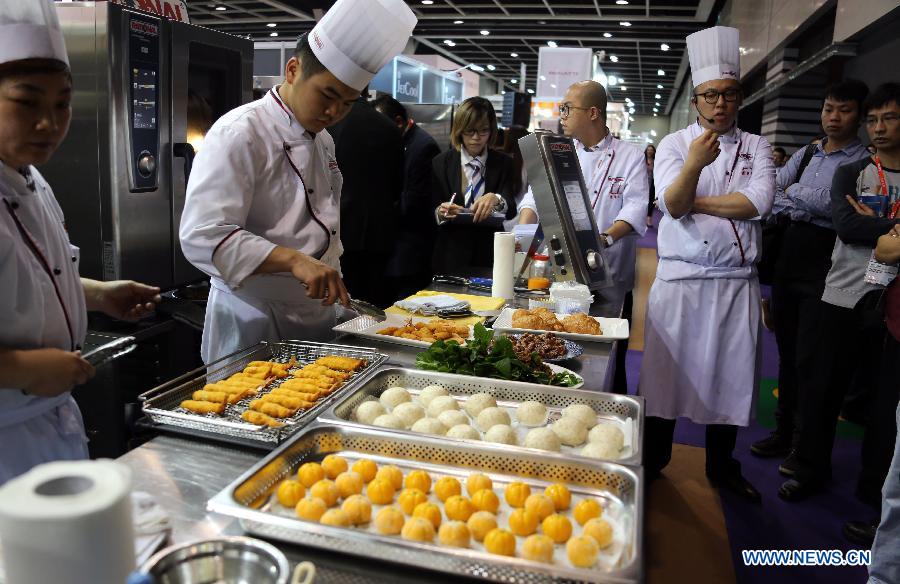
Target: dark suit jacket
(369,152)
(468,249)
(417,229)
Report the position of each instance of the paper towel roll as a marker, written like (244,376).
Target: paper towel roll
(504,254)
(68,522)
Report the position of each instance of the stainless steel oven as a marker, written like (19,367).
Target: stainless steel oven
(146,90)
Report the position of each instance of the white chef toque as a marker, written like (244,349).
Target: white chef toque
(714,54)
(356,38)
(29,29)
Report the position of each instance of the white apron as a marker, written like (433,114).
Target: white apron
(260,181)
(43,307)
(701,347)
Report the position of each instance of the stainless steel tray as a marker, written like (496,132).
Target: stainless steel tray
(162,403)
(612,408)
(249,499)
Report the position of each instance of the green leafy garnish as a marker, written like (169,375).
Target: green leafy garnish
(485,356)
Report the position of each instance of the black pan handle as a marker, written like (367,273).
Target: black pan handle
(186,151)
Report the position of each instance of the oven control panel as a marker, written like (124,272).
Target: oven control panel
(144,92)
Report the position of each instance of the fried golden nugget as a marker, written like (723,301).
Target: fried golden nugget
(203,407)
(260,419)
(582,324)
(340,375)
(258,371)
(219,397)
(272,409)
(341,363)
(288,401)
(308,397)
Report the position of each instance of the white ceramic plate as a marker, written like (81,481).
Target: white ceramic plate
(367,327)
(614,329)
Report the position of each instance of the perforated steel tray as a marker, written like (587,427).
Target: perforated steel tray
(625,412)
(162,403)
(620,488)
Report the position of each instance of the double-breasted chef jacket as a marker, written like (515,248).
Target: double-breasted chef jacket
(43,307)
(701,348)
(616,179)
(261,180)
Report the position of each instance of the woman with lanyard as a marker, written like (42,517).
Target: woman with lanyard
(472,192)
(45,303)
(616,178)
(262,211)
(714,183)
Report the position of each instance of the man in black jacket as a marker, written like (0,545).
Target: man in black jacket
(369,152)
(409,268)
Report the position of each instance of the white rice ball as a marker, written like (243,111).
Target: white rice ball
(600,450)
(393,397)
(582,412)
(431,392)
(502,434)
(463,431)
(452,418)
(543,439)
(607,434)
(368,411)
(429,426)
(478,402)
(409,413)
(441,404)
(490,417)
(389,421)
(531,413)
(571,431)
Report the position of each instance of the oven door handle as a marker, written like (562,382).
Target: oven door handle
(186,151)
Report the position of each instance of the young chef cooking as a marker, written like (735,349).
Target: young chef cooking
(45,303)
(616,178)
(263,202)
(714,182)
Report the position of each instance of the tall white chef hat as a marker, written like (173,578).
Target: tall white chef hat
(714,54)
(29,29)
(356,38)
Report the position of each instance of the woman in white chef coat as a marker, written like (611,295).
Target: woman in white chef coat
(43,312)
(616,178)
(262,211)
(714,182)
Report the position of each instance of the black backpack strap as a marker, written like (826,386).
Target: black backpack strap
(808,153)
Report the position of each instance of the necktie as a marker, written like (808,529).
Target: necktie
(476,181)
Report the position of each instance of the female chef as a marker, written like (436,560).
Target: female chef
(714,182)
(43,312)
(262,211)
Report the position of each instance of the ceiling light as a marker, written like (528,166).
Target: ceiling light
(621,2)
(513,80)
(614,58)
(631,110)
(475,67)
(655,115)
(514,55)
(485,32)
(657,103)
(427,2)
(449,43)
(657,96)
(624,23)
(553,86)
(664,47)
(658,86)
(531,91)
(655,110)
(612,80)
(271,25)
(607,35)
(221,8)
(552,44)
(457,22)
(273,34)
(653,133)
(660,72)
(503,92)
(491,67)
(543,78)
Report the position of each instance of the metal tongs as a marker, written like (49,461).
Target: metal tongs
(110,351)
(368,309)
(473,283)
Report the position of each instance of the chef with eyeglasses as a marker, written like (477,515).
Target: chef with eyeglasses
(263,202)
(714,183)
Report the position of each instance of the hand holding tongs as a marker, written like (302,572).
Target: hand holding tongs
(110,351)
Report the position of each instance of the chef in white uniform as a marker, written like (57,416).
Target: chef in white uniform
(262,215)
(714,183)
(43,313)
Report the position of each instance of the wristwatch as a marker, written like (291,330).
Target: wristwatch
(607,239)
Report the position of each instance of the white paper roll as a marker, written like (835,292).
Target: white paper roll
(504,254)
(68,522)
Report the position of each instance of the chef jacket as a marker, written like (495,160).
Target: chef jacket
(703,246)
(616,179)
(261,180)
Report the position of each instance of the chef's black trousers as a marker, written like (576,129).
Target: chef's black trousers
(720,442)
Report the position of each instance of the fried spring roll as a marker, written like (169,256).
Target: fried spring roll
(260,419)
(203,407)
(219,397)
(272,409)
(341,363)
(287,401)
(310,397)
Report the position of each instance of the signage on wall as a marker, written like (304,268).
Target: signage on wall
(169,9)
(560,67)
(408,83)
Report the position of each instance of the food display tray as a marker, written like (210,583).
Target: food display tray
(367,327)
(626,412)
(614,329)
(618,488)
(162,404)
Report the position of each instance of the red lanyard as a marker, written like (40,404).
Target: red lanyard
(895,208)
